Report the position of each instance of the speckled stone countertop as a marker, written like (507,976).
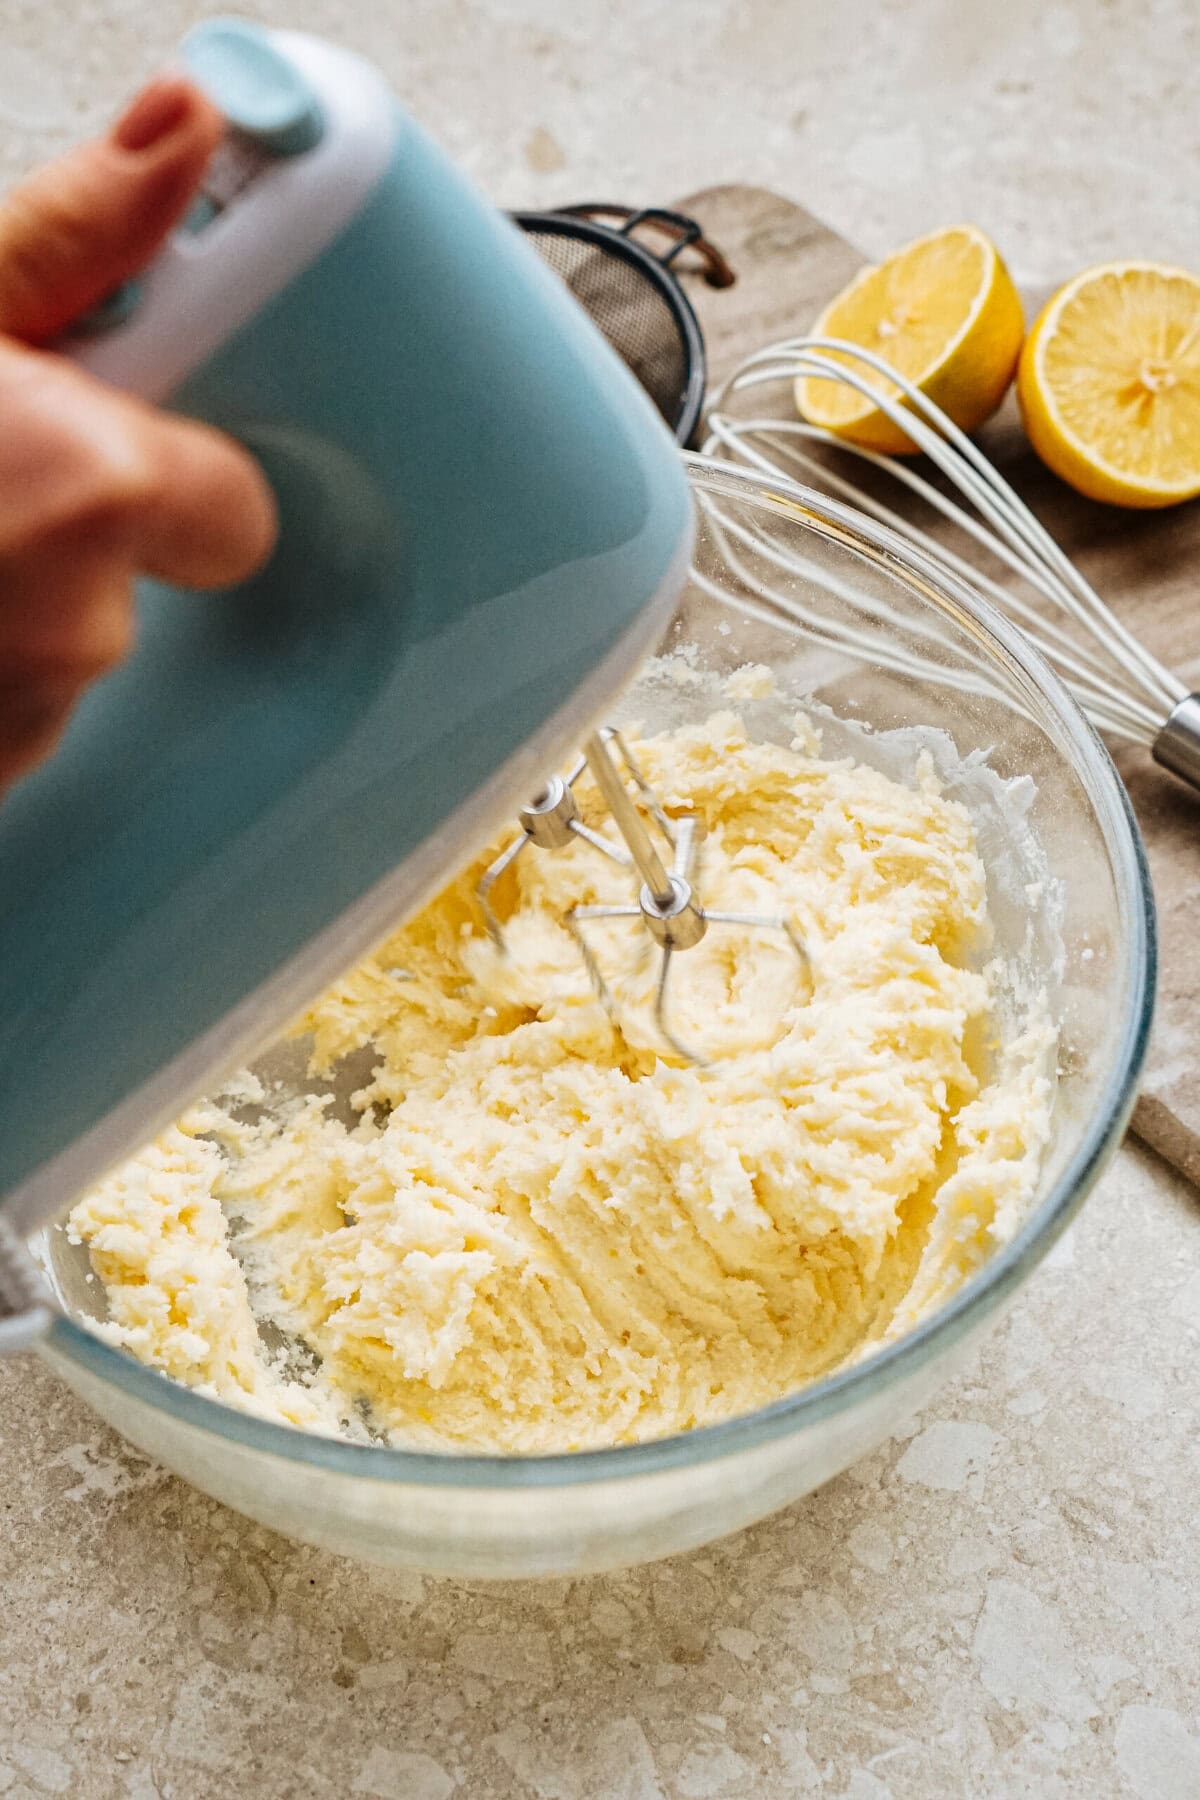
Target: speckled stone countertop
(1002,1601)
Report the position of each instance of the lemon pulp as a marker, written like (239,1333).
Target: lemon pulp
(943,312)
(1109,384)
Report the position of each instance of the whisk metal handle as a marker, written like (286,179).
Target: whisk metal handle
(628,820)
(1177,746)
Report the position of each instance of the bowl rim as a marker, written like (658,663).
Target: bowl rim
(967,1307)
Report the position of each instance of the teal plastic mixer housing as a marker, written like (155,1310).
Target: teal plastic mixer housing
(484,526)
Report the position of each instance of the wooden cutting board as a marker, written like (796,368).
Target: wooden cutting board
(1146,566)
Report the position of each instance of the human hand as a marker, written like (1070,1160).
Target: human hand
(96,487)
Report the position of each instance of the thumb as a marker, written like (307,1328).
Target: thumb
(79,227)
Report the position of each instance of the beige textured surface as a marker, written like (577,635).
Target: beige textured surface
(1005,1603)
(1002,1603)
(1067,129)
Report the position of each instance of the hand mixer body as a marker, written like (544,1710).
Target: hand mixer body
(483,527)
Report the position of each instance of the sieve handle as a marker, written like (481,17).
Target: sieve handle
(687,233)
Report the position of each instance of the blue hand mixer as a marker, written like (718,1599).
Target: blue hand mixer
(484,527)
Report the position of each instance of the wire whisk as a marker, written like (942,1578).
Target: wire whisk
(1126,692)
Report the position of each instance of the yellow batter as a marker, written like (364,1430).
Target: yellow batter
(543,1236)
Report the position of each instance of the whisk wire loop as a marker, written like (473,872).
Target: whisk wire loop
(1125,690)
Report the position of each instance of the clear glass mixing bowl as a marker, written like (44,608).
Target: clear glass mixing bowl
(884,640)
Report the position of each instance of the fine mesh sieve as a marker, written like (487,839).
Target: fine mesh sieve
(633,295)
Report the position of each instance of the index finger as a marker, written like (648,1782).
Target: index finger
(208,517)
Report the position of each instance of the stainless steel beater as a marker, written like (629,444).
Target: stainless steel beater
(667,902)
(552,819)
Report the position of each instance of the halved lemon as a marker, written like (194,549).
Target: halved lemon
(1109,384)
(944,313)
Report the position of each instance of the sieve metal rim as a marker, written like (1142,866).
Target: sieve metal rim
(583,223)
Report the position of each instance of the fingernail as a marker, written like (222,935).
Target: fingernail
(158,110)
